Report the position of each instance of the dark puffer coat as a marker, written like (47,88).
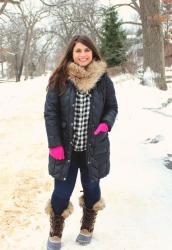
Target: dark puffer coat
(59,116)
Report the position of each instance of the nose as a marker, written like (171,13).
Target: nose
(83,53)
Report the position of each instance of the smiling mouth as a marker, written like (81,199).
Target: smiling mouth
(83,60)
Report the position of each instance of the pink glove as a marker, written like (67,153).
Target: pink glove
(102,127)
(57,152)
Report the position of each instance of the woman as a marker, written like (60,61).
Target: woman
(80,110)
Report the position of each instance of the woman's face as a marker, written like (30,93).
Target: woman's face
(82,55)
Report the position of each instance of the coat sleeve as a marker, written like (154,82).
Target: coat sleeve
(111,105)
(52,119)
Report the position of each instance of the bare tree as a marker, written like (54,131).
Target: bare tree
(22,22)
(92,19)
(13,42)
(28,40)
(30,18)
(43,45)
(78,17)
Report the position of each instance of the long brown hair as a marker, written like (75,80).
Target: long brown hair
(58,78)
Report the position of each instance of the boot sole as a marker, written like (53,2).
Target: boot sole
(83,240)
(51,246)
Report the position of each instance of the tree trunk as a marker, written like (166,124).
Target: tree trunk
(2,70)
(16,68)
(27,54)
(23,58)
(153,42)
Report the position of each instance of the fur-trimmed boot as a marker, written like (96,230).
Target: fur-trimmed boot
(88,221)
(56,225)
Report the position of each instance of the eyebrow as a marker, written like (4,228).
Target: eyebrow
(84,49)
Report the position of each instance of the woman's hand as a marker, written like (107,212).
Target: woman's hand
(57,152)
(102,127)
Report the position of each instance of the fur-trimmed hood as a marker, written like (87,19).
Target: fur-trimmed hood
(85,78)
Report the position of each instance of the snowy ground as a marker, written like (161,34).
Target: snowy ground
(137,191)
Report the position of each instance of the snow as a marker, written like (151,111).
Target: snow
(137,191)
(149,77)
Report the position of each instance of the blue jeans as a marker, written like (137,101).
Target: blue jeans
(63,189)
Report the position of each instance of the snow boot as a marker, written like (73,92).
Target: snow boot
(88,221)
(56,225)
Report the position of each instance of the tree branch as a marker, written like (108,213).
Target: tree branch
(134,5)
(11,1)
(10,18)
(25,21)
(130,22)
(3,6)
(55,5)
(124,4)
(137,7)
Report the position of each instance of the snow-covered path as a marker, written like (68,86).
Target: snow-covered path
(137,191)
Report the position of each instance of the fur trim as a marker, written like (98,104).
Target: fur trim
(66,212)
(55,239)
(86,78)
(81,201)
(48,208)
(99,205)
(85,232)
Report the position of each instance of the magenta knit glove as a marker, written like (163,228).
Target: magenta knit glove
(102,127)
(57,152)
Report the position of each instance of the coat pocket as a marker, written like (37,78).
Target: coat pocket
(101,143)
(56,167)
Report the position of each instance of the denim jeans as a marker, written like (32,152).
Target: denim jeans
(63,189)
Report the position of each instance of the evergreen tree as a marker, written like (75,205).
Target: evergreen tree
(114,41)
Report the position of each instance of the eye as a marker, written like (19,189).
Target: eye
(87,50)
(77,50)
